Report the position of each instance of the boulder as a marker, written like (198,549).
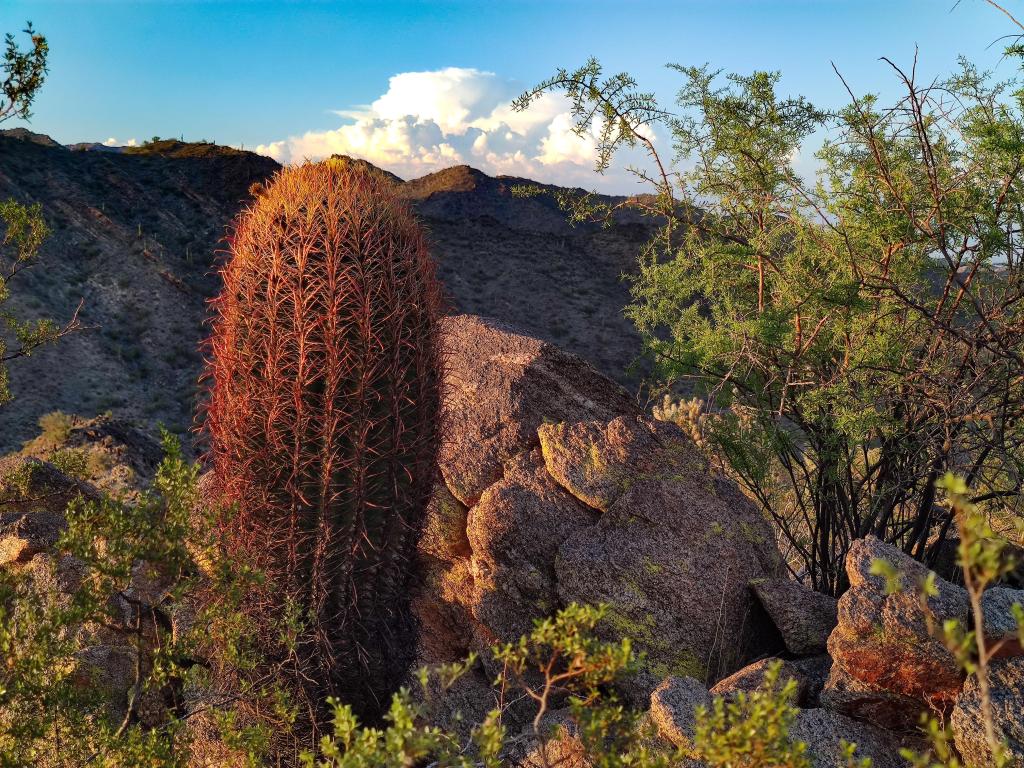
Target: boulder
(442,602)
(57,577)
(883,648)
(598,461)
(557,491)
(752,677)
(805,618)
(672,709)
(674,551)
(515,532)
(1006,679)
(815,671)
(500,387)
(873,704)
(444,532)
(944,556)
(458,706)
(1001,627)
(822,731)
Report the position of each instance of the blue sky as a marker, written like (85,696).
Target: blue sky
(419,83)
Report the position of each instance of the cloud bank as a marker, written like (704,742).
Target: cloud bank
(427,121)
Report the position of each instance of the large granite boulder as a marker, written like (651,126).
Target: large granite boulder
(673,552)
(500,385)
(556,491)
(1006,679)
(515,532)
(1002,632)
(824,731)
(804,618)
(888,663)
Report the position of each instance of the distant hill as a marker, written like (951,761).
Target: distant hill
(136,234)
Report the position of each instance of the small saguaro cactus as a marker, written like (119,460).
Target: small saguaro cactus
(322,420)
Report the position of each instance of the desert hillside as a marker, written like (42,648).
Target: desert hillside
(136,236)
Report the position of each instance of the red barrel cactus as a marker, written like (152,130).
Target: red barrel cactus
(322,418)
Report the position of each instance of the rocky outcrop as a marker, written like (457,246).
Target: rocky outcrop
(501,386)
(845,694)
(33,497)
(556,491)
(23,535)
(30,484)
(804,618)
(560,744)
(673,551)
(674,701)
(515,532)
(815,671)
(114,455)
(1006,679)
(887,664)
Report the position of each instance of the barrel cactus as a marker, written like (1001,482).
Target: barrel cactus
(322,419)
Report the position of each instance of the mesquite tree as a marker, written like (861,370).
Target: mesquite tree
(323,420)
(856,337)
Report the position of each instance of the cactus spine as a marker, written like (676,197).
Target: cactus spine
(322,417)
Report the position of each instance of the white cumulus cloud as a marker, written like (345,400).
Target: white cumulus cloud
(427,121)
(113,142)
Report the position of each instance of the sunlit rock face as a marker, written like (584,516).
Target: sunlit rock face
(565,492)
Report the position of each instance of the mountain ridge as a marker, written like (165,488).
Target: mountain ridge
(137,236)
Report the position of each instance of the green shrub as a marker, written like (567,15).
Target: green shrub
(53,708)
(56,427)
(752,730)
(560,659)
(855,334)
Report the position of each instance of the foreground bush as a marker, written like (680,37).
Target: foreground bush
(559,680)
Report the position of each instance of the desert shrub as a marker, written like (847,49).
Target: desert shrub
(752,730)
(56,427)
(855,335)
(323,420)
(201,688)
(73,462)
(85,601)
(560,658)
(25,230)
